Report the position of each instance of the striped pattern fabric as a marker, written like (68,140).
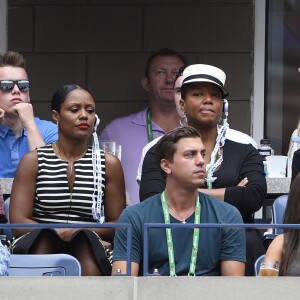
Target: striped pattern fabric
(53,201)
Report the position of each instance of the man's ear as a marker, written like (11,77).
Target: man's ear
(145,83)
(165,165)
(181,104)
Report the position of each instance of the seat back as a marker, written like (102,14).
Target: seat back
(278,210)
(44,265)
(257,264)
(7,231)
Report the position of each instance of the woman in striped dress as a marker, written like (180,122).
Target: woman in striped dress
(69,182)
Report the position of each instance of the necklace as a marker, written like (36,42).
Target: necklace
(70,168)
(177,213)
(63,157)
(170,246)
(70,163)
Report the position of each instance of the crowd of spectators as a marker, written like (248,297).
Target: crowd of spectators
(193,168)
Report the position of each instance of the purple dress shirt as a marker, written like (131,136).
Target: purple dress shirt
(131,133)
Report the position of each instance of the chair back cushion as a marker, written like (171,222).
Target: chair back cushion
(278,210)
(44,265)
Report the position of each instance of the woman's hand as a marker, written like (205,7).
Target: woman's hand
(243,182)
(65,233)
(107,245)
(220,192)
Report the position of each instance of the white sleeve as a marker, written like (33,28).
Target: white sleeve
(145,150)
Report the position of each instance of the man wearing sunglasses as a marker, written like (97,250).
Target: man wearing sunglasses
(20,131)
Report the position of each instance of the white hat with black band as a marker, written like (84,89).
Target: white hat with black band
(205,73)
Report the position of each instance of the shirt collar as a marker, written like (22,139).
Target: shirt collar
(140,118)
(4,131)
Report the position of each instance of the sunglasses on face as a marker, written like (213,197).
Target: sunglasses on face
(8,85)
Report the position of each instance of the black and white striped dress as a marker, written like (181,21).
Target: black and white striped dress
(54,203)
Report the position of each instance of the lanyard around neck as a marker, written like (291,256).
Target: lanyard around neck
(149,126)
(170,247)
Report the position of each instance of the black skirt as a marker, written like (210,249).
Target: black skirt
(23,244)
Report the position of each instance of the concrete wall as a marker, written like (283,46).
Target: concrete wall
(3,25)
(162,288)
(103,45)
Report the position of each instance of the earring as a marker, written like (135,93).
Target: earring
(183,121)
(225,106)
(220,123)
(57,122)
(225,109)
(97,122)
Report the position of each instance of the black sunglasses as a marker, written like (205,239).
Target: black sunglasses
(8,85)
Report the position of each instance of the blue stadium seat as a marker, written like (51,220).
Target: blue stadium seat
(278,210)
(257,264)
(7,231)
(44,265)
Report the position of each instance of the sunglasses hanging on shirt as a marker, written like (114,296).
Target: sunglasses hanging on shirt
(8,85)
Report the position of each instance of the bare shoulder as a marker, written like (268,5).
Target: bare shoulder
(111,159)
(112,165)
(27,169)
(30,157)
(28,163)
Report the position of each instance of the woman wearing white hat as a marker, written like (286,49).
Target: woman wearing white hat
(234,169)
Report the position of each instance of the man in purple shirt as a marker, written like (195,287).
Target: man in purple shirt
(133,132)
(20,131)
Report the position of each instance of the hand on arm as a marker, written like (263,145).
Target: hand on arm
(216,193)
(220,193)
(248,198)
(243,182)
(25,112)
(66,233)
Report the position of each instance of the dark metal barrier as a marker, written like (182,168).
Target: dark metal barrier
(147,226)
(84,225)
